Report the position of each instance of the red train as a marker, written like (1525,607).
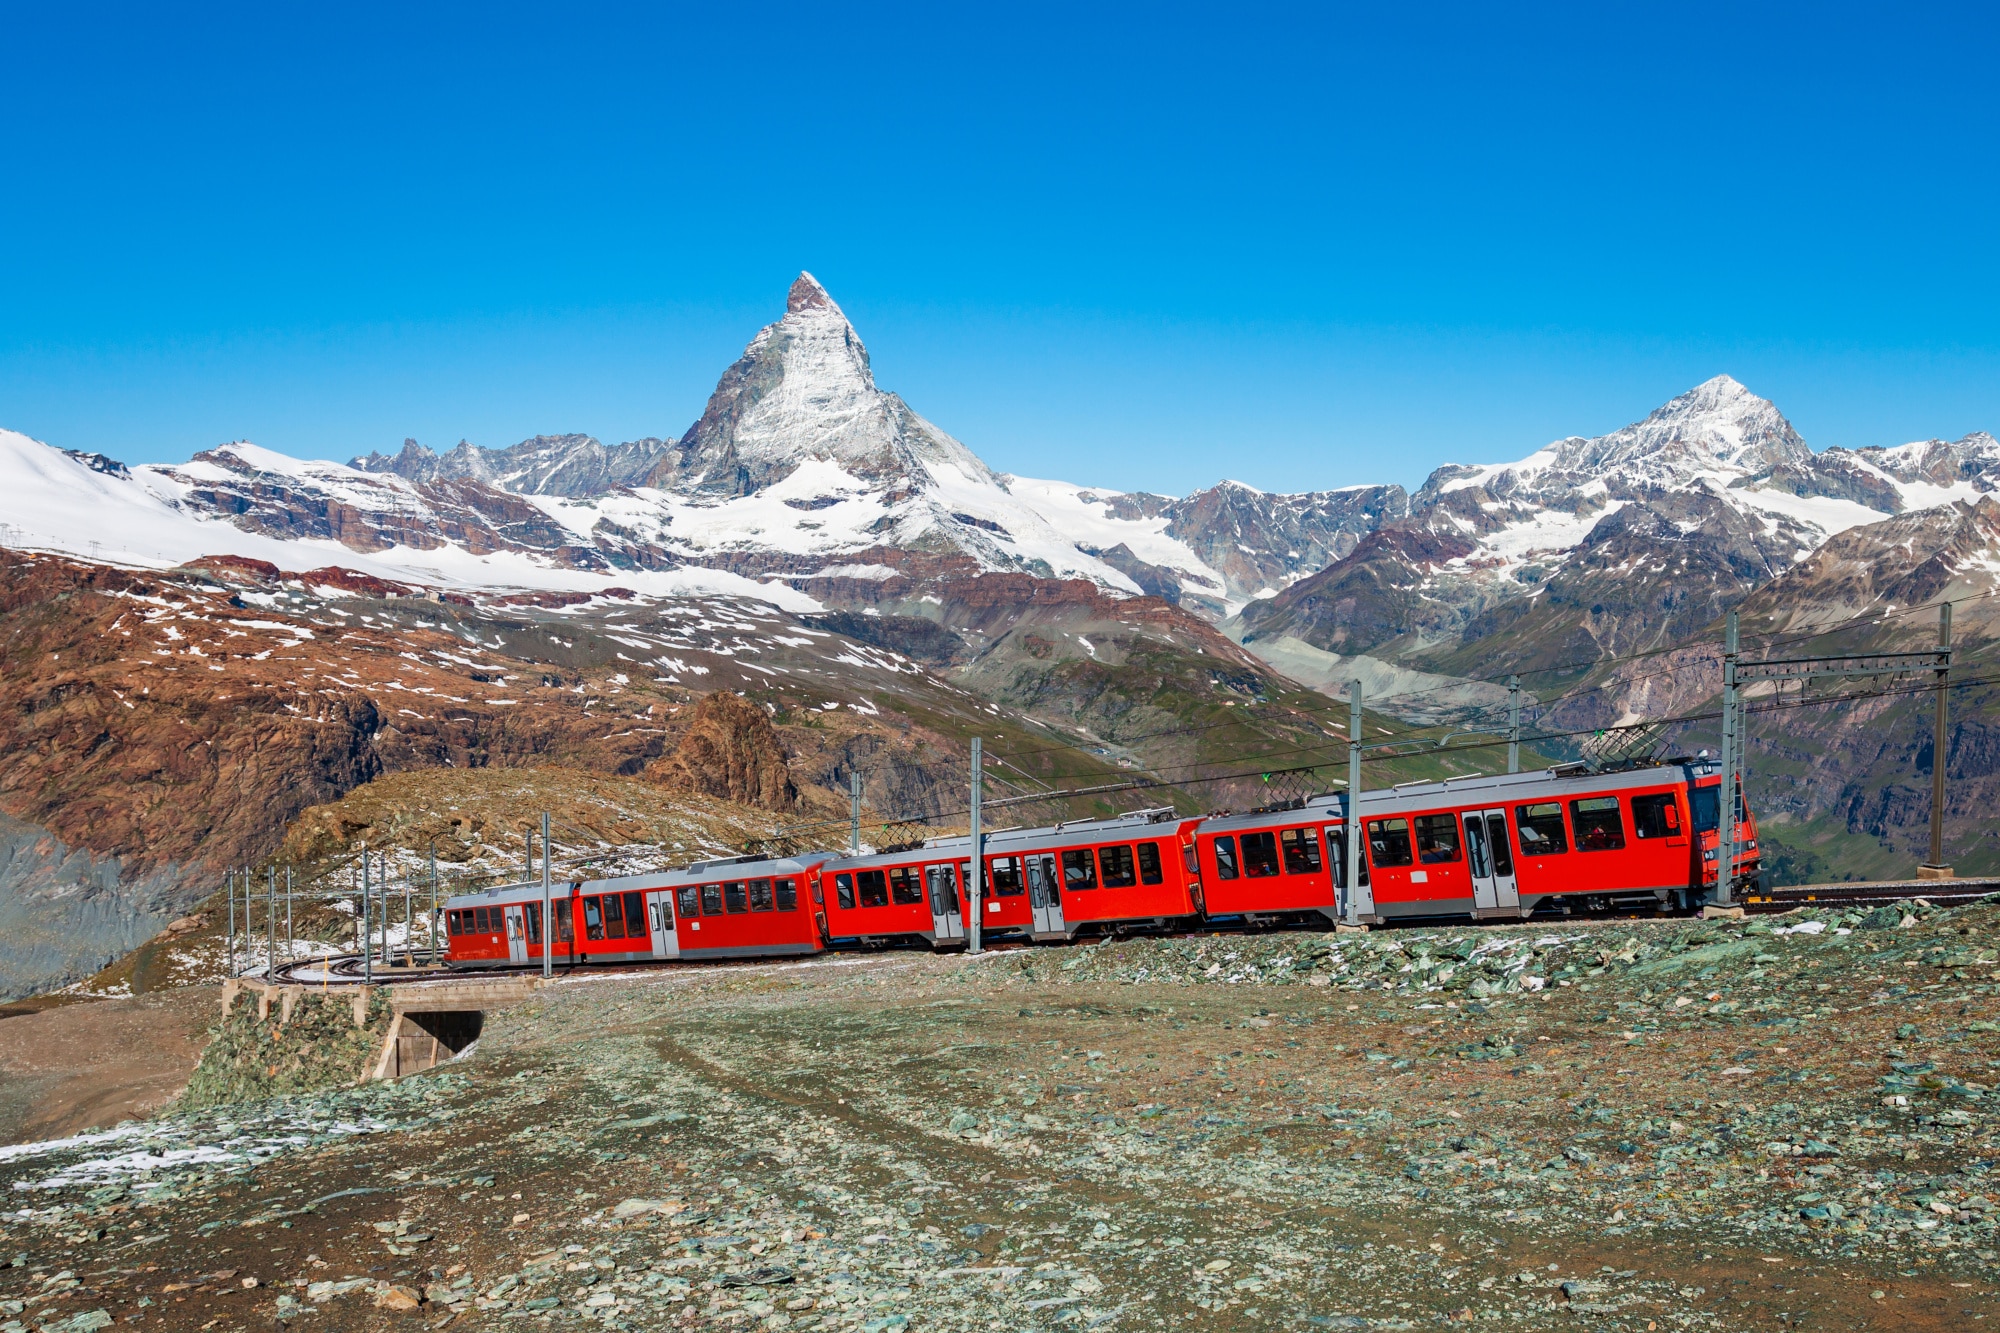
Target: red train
(1510,846)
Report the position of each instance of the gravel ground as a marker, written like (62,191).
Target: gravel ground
(1606,1125)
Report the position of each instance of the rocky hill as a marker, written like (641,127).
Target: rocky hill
(160,727)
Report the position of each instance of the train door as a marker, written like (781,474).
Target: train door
(1045,895)
(517,936)
(660,915)
(941,884)
(1490,861)
(1364,895)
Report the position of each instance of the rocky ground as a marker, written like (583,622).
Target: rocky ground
(1608,1125)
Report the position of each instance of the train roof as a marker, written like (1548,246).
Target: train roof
(711,871)
(1545,783)
(1156,822)
(504,893)
(701,872)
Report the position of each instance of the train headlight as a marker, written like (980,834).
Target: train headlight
(1709,855)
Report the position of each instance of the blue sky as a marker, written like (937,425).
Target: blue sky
(1134,247)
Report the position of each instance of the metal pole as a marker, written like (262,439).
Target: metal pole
(229,887)
(434,904)
(854,802)
(270,922)
(548,922)
(978,840)
(291,940)
(367,931)
(1732,759)
(409,926)
(1352,908)
(1513,724)
(1940,738)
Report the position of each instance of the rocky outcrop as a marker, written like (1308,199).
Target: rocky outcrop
(730,751)
(1260,541)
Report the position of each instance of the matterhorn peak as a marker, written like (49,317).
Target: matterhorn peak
(807,294)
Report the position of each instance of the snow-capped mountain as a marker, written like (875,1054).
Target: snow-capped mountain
(1610,543)
(803,478)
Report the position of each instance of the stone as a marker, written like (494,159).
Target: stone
(396,1297)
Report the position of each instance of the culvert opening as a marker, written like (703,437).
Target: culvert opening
(426,1038)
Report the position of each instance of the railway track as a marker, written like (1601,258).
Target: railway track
(1939,891)
(346,969)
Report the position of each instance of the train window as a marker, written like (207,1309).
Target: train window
(1225,858)
(1656,816)
(1115,869)
(635,916)
(564,934)
(1301,849)
(1149,863)
(1496,835)
(1541,828)
(760,896)
(1705,804)
(614,919)
(1336,846)
(711,900)
(1260,855)
(451,922)
(688,900)
(787,891)
(593,919)
(1188,859)
(1006,878)
(734,897)
(1078,870)
(906,886)
(874,888)
(479,921)
(1437,839)
(1389,842)
(1598,828)
(843,890)
(533,914)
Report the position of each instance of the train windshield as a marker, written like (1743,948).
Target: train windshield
(1706,805)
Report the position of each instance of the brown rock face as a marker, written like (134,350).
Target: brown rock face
(730,751)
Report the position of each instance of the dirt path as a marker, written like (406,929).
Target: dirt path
(97,1062)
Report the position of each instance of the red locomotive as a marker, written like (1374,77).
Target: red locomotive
(1510,846)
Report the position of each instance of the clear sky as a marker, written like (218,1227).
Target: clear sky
(1133,247)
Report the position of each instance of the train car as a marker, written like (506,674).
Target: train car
(490,928)
(741,907)
(1563,839)
(1085,876)
(1277,865)
(909,896)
